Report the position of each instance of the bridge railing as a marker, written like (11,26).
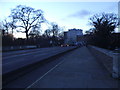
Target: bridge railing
(110,59)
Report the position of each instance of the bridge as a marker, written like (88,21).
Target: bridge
(56,67)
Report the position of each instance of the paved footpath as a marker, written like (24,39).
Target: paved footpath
(78,69)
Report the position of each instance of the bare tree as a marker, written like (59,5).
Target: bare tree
(2,31)
(55,29)
(47,33)
(27,18)
(34,33)
(12,24)
(54,33)
(5,25)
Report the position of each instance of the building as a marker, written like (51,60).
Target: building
(71,36)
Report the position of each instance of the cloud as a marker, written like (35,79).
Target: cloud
(80,14)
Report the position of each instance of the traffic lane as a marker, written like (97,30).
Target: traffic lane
(28,60)
(32,76)
(6,54)
(34,56)
(18,52)
(24,61)
(13,57)
(24,54)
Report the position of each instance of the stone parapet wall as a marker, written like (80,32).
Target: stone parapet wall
(103,56)
(110,59)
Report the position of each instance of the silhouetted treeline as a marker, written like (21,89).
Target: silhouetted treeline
(40,41)
(112,43)
(28,20)
(103,34)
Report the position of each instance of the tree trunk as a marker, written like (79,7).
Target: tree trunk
(27,35)
(12,31)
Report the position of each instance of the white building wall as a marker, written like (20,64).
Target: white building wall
(72,36)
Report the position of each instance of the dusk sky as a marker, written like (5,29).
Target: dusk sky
(66,14)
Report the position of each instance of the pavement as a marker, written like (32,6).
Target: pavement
(79,69)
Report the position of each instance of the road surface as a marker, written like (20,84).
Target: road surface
(76,69)
(14,60)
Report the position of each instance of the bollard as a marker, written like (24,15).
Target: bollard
(116,65)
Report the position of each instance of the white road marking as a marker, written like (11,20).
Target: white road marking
(43,76)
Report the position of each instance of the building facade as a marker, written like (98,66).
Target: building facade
(71,36)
